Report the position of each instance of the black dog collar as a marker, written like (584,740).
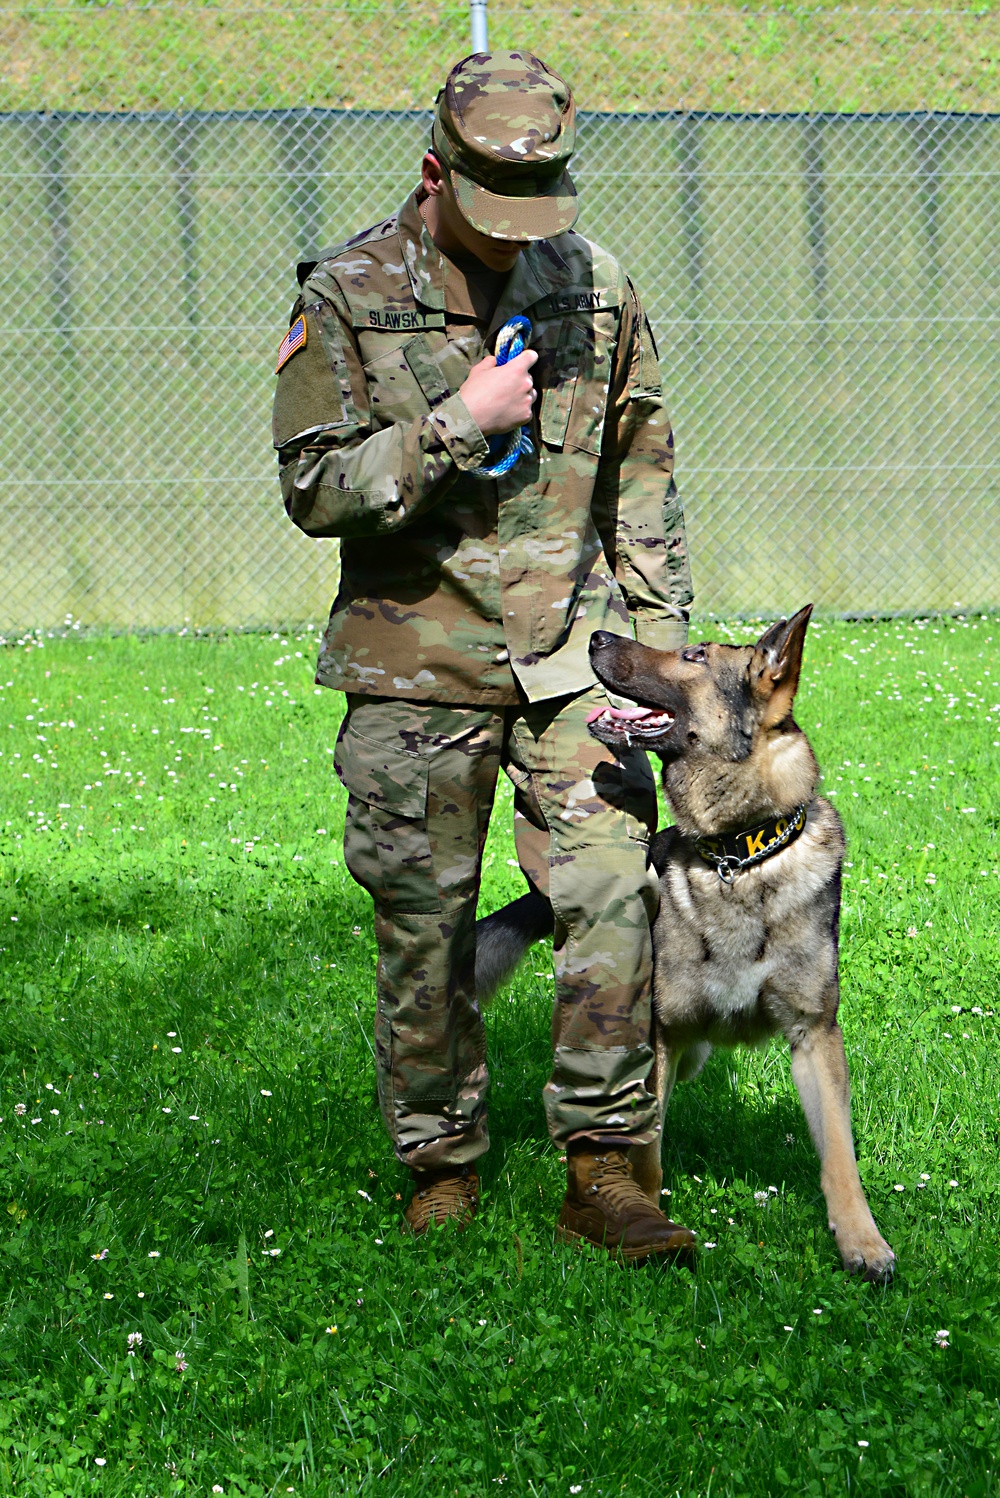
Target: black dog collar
(730,854)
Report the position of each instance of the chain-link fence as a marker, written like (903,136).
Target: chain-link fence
(824,288)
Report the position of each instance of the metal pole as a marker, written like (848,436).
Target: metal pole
(477,18)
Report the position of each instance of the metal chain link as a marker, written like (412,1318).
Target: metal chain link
(822,287)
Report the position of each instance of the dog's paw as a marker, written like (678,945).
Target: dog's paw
(873,1260)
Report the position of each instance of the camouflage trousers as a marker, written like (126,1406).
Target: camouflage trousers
(422,778)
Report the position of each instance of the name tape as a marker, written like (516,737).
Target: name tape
(397,320)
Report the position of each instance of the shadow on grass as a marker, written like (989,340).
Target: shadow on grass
(265,980)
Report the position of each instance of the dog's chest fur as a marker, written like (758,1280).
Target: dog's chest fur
(738,962)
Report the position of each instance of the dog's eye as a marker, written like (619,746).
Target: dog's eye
(695,653)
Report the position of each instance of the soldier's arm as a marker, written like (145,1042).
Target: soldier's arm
(342,472)
(636,504)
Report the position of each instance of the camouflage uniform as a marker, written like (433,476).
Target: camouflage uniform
(422,778)
(465,608)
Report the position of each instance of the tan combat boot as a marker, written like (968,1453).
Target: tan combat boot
(605,1206)
(449,1195)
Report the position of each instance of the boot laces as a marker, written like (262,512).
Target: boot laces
(615,1183)
(446,1194)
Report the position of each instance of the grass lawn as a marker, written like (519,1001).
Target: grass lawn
(204,1288)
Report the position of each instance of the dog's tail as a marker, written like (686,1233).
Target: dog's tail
(504,937)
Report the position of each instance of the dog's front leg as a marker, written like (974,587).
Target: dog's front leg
(819,1069)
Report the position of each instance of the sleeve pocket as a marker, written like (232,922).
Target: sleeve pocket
(313,391)
(647,380)
(381,775)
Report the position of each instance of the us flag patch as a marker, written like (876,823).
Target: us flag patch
(293,340)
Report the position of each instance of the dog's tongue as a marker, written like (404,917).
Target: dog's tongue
(622,714)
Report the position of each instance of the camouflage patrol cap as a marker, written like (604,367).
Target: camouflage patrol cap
(504,131)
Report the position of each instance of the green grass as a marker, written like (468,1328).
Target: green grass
(264,56)
(175,946)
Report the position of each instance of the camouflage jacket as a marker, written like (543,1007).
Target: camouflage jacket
(453,586)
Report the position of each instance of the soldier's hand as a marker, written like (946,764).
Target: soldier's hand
(500,397)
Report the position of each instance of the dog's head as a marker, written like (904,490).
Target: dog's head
(703,701)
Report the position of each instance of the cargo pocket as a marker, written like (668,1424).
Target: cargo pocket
(627,783)
(420,356)
(386,846)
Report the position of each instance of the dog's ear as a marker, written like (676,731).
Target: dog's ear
(776,665)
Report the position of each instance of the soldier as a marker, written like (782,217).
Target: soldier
(460,630)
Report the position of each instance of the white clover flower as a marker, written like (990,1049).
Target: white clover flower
(941,1338)
(20,1109)
(760,1197)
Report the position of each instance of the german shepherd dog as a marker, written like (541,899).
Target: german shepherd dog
(745,941)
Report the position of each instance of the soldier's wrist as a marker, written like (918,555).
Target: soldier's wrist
(460,433)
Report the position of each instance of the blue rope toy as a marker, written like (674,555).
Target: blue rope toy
(512,339)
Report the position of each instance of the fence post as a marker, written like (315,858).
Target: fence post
(184,142)
(477,20)
(687,140)
(816,218)
(929,139)
(56,206)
